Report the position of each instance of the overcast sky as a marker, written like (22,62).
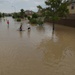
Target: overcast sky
(16,5)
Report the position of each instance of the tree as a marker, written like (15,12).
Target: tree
(25,16)
(3,14)
(22,13)
(39,10)
(33,18)
(15,15)
(39,7)
(55,10)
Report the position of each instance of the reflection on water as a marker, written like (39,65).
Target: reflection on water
(28,32)
(20,33)
(40,28)
(38,51)
(8,26)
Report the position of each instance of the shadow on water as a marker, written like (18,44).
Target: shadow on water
(53,53)
(21,33)
(59,49)
(8,26)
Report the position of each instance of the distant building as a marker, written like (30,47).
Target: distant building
(29,12)
(71,7)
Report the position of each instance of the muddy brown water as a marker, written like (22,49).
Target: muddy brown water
(38,51)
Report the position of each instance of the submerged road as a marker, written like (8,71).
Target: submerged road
(38,51)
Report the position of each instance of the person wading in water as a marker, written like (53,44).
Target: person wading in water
(8,22)
(28,26)
(20,27)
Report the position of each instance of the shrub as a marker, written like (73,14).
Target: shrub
(25,16)
(13,16)
(18,19)
(39,22)
(0,15)
(33,21)
(29,18)
(34,15)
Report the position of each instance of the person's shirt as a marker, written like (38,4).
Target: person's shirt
(8,22)
(28,25)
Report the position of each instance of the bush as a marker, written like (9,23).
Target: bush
(40,22)
(29,18)
(0,15)
(18,19)
(25,16)
(34,15)
(33,21)
(13,16)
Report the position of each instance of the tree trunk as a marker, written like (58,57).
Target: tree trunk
(53,25)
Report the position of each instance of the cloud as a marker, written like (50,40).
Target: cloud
(6,5)
(25,0)
(38,3)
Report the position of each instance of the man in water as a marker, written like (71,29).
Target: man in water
(28,26)
(8,22)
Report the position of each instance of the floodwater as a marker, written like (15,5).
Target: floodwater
(38,51)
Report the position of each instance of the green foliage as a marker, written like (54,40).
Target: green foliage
(29,18)
(3,14)
(33,21)
(39,21)
(56,9)
(18,19)
(15,15)
(39,7)
(34,15)
(25,16)
(36,21)
(22,13)
(0,15)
